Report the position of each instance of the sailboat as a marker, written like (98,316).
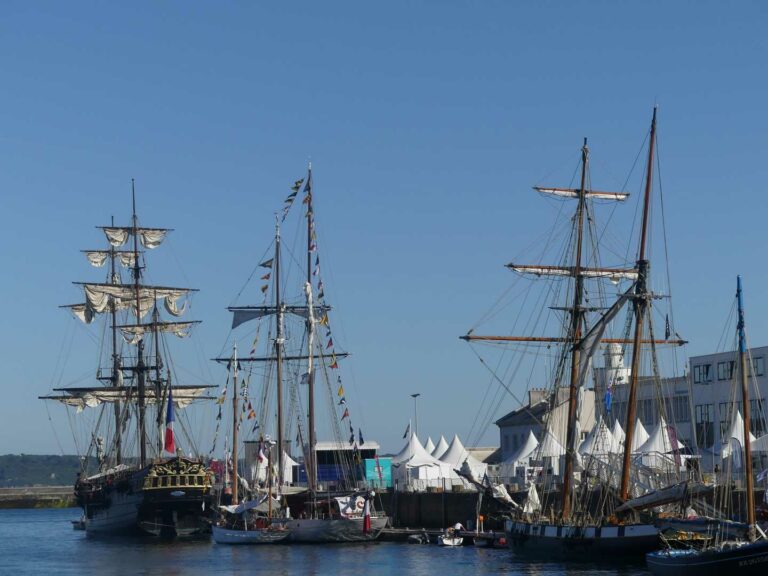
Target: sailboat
(571,526)
(747,555)
(300,353)
(250,521)
(156,491)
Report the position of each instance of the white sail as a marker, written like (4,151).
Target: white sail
(612,274)
(149,237)
(97,258)
(133,334)
(574,193)
(81,398)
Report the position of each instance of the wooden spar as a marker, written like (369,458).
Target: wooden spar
(539,270)
(640,305)
(311,469)
(576,317)
(284,357)
(140,347)
(745,403)
(115,361)
(560,340)
(279,358)
(235,499)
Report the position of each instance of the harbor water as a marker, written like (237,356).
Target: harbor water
(42,541)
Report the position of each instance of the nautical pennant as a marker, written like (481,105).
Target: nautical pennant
(264,288)
(346,413)
(342,401)
(330,344)
(267,263)
(266,276)
(334,364)
(360,436)
(341,390)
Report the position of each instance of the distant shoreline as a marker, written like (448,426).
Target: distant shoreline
(37,497)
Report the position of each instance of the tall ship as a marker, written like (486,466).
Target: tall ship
(583,506)
(292,388)
(135,478)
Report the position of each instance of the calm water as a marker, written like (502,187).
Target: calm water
(43,542)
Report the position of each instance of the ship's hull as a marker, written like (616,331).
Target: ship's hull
(745,559)
(169,499)
(328,530)
(258,536)
(581,541)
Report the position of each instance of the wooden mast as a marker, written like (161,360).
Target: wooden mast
(115,359)
(640,305)
(140,349)
(279,357)
(743,363)
(311,469)
(576,320)
(235,423)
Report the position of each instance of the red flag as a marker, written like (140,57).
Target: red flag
(170,443)
(346,413)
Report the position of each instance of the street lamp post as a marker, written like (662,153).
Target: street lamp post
(415,414)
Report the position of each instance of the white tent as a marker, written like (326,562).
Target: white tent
(429,446)
(520,457)
(258,470)
(737,433)
(441,447)
(656,451)
(618,432)
(640,437)
(456,455)
(549,452)
(415,467)
(600,440)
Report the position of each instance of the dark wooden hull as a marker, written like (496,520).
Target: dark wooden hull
(581,543)
(738,561)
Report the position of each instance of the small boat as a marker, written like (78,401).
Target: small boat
(275,532)
(450,538)
(78,524)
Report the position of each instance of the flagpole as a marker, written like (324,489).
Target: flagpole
(415,413)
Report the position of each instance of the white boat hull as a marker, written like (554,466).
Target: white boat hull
(258,536)
(449,541)
(323,530)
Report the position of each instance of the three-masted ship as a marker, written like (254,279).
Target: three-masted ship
(576,522)
(142,483)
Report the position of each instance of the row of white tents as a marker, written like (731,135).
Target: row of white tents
(419,467)
(656,450)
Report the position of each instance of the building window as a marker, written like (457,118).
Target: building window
(678,409)
(705,431)
(758,367)
(702,373)
(725,370)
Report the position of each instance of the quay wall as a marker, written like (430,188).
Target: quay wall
(37,497)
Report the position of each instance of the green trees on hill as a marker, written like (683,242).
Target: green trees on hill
(37,470)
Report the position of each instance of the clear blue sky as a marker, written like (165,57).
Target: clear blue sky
(426,123)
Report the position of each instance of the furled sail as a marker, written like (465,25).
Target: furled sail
(91,397)
(574,193)
(243,314)
(98,258)
(99,296)
(149,237)
(612,274)
(591,341)
(133,333)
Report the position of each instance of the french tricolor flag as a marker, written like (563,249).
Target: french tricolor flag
(170,444)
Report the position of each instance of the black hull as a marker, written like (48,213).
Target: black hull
(744,560)
(588,544)
(168,500)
